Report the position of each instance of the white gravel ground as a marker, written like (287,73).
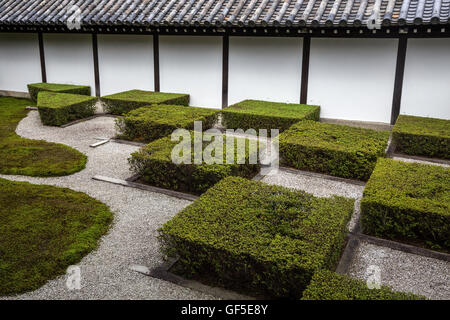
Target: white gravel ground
(105,273)
(403,271)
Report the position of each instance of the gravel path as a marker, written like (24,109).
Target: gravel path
(105,273)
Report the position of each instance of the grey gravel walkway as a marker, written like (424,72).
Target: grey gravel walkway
(105,273)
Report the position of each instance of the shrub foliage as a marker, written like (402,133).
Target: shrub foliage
(258,237)
(123,102)
(332,149)
(153,122)
(422,136)
(35,88)
(254,114)
(408,202)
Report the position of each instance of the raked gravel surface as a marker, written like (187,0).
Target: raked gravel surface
(105,272)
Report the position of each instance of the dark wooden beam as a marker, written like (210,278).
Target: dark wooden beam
(42,57)
(305,70)
(156,62)
(96,68)
(399,72)
(225,60)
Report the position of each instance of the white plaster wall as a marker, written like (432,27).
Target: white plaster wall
(426,84)
(19,61)
(265,69)
(193,65)
(68,59)
(353,79)
(125,63)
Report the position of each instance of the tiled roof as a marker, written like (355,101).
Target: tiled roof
(300,13)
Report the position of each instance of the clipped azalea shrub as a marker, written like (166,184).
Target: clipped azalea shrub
(422,136)
(154,163)
(153,122)
(254,114)
(123,102)
(337,150)
(35,88)
(408,202)
(257,238)
(328,285)
(56,109)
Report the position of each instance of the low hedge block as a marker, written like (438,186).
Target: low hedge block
(149,123)
(254,114)
(328,285)
(35,88)
(408,202)
(57,109)
(123,102)
(155,166)
(422,136)
(337,150)
(258,237)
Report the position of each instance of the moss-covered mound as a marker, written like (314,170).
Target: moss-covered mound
(155,165)
(332,149)
(422,136)
(44,230)
(123,102)
(254,114)
(35,88)
(408,202)
(328,285)
(57,109)
(32,157)
(153,122)
(258,237)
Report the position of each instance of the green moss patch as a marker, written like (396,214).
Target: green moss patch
(123,102)
(57,109)
(35,88)
(254,114)
(327,285)
(332,149)
(258,237)
(422,136)
(408,202)
(155,166)
(32,157)
(153,122)
(44,230)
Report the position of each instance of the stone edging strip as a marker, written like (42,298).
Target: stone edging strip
(433,160)
(131,143)
(130,184)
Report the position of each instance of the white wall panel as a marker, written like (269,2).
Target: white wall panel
(125,63)
(68,59)
(19,61)
(192,65)
(353,79)
(265,69)
(426,84)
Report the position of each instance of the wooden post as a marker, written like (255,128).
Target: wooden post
(225,60)
(305,70)
(96,68)
(399,72)
(42,57)
(156,62)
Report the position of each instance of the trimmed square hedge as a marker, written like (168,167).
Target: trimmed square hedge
(254,114)
(408,202)
(258,237)
(124,102)
(35,88)
(154,164)
(57,109)
(153,122)
(422,136)
(328,285)
(337,150)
